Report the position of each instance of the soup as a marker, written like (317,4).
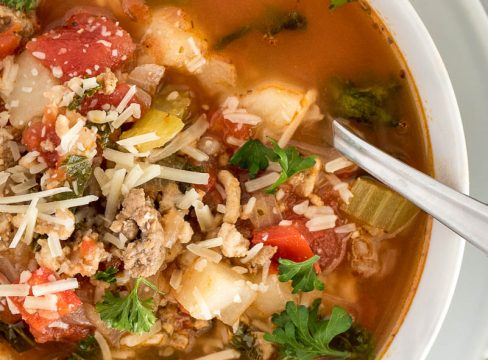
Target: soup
(169,189)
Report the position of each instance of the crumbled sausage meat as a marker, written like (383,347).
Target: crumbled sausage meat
(144,256)
(264,255)
(176,229)
(6,230)
(233,196)
(235,245)
(364,256)
(6,157)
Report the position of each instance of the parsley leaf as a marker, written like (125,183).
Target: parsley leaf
(20,5)
(253,156)
(300,334)
(302,274)
(334,4)
(87,349)
(129,313)
(291,163)
(107,275)
(79,169)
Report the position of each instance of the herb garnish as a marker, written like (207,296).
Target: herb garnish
(129,313)
(108,275)
(255,156)
(79,169)
(78,99)
(290,21)
(17,335)
(87,349)
(370,105)
(245,342)
(302,274)
(302,335)
(334,4)
(21,5)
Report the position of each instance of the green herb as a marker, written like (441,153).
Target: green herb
(78,99)
(253,156)
(104,135)
(302,274)
(369,105)
(356,341)
(21,5)
(334,4)
(129,313)
(300,334)
(87,349)
(17,335)
(246,343)
(270,24)
(290,21)
(79,169)
(291,162)
(107,275)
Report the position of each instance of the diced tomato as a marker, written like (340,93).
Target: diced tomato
(86,45)
(290,241)
(227,130)
(99,100)
(88,246)
(41,136)
(40,320)
(10,40)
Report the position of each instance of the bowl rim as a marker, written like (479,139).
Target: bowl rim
(429,306)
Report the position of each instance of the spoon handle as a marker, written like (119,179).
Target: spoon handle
(462,214)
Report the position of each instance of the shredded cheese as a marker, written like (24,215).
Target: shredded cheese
(113,198)
(54,245)
(14,289)
(54,287)
(48,302)
(118,157)
(191,177)
(29,220)
(32,196)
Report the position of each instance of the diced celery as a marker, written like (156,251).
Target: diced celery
(165,125)
(376,205)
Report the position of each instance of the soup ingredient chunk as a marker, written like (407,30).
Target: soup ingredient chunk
(302,334)
(128,313)
(21,5)
(15,26)
(17,335)
(85,46)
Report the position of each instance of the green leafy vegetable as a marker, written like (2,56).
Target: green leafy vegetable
(17,335)
(107,275)
(291,162)
(369,105)
(129,313)
(79,169)
(300,334)
(245,342)
(104,135)
(356,341)
(253,156)
(21,5)
(303,275)
(78,99)
(334,4)
(87,349)
(270,24)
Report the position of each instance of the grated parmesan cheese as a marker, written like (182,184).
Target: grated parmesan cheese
(27,225)
(261,182)
(32,196)
(208,254)
(47,302)
(252,252)
(185,176)
(55,286)
(113,198)
(118,157)
(125,100)
(54,245)
(14,289)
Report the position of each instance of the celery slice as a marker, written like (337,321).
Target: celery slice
(174,101)
(165,125)
(376,205)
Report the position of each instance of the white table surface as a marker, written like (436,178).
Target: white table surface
(460,31)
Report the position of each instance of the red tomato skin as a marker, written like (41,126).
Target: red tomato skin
(43,131)
(85,46)
(225,129)
(68,302)
(97,101)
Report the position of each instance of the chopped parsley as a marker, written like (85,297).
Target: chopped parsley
(289,21)
(302,274)
(78,99)
(107,275)
(21,5)
(334,4)
(128,313)
(78,169)
(244,341)
(87,349)
(255,156)
(302,334)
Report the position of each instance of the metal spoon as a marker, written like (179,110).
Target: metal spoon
(461,213)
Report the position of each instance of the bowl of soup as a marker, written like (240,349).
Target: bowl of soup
(169,189)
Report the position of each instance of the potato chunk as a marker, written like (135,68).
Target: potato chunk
(215,292)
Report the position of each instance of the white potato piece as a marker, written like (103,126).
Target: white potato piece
(171,40)
(27,98)
(215,292)
(218,76)
(275,298)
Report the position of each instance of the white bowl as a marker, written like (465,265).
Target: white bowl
(431,302)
